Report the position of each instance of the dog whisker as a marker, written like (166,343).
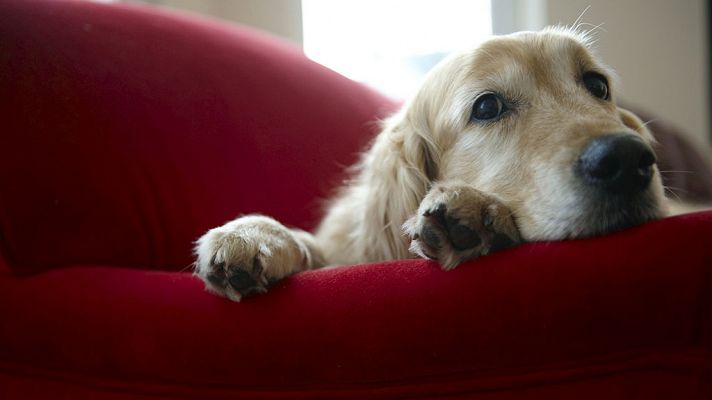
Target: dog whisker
(589,36)
(673,191)
(646,123)
(577,22)
(592,33)
(594,28)
(681,190)
(189,267)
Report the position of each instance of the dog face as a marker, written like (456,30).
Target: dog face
(531,118)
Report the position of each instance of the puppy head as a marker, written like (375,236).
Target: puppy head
(531,118)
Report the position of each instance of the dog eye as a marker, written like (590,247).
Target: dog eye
(596,84)
(487,107)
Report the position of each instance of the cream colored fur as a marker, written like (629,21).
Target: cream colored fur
(513,177)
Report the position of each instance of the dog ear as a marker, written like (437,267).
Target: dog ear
(397,172)
(430,166)
(418,152)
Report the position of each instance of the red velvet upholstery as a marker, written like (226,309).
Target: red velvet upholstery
(127,132)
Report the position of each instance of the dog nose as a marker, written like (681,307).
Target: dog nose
(617,163)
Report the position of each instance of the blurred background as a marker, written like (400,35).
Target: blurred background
(659,48)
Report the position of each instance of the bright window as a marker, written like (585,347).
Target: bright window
(391,44)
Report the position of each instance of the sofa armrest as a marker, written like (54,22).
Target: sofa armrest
(128,131)
(623,316)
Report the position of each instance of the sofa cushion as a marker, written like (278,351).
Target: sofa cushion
(626,308)
(129,131)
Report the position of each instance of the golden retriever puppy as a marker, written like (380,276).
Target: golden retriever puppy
(519,139)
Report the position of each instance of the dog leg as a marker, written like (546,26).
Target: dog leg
(247,255)
(456,222)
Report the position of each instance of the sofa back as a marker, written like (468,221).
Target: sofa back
(129,131)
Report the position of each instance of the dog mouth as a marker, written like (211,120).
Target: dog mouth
(588,214)
(609,214)
(623,220)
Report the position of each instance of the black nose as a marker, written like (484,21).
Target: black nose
(618,164)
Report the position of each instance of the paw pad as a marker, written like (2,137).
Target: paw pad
(242,281)
(459,223)
(463,237)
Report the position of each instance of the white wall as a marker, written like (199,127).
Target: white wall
(658,48)
(281,17)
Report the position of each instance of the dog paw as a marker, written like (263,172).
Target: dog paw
(456,223)
(247,256)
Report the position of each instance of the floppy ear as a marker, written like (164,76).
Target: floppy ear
(397,172)
(418,150)
(403,161)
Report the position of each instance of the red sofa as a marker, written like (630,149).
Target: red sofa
(127,132)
